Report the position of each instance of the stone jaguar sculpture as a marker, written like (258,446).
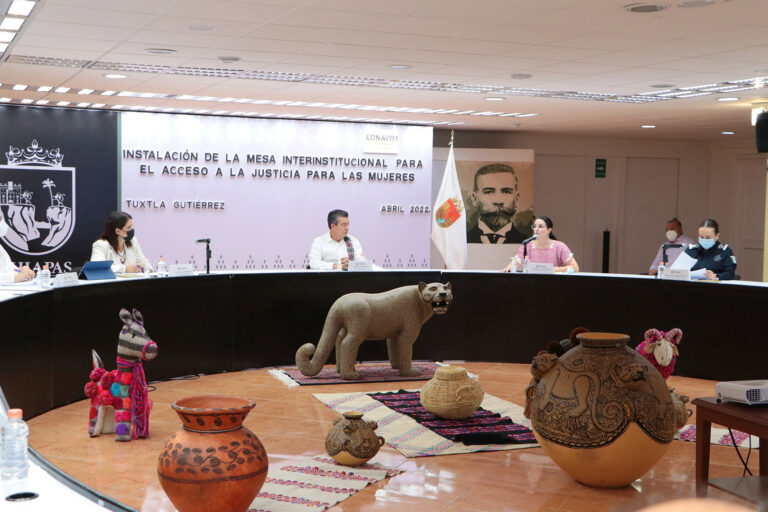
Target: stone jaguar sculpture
(395,315)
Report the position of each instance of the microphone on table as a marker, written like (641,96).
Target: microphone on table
(207,242)
(530,239)
(525,246)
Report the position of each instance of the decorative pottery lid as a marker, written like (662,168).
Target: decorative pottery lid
(352,415)
(602,339)
(451,373)
(213,404)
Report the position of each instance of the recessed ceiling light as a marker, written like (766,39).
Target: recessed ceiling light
(527,115)
(648,126)
(115,76)
(108,93)
(644,8)
(728,98)
(5,100)
(11,23)
(728,133)
(201,28)
(63,103)
(6,37)
(97,105)
(61,90)
(27,101)
(44,88)
(20,87)
(494,98)
(228,59)
(663,86)
(83,104)
(399,66)
(696,3)
(520,76)
(21,7)
(3,47)
(42,102)
(160,51)
(85,91)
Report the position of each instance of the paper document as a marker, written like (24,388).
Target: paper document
(684,261)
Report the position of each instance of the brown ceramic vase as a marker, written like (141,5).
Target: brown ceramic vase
(213,463)
(601,411)
(352,440)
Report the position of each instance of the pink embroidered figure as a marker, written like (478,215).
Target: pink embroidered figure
(124,390)
(660,348)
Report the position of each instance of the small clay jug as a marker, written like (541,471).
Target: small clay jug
(451,394)
(352,441)
(213,463)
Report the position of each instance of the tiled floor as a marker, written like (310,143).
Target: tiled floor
(292,424)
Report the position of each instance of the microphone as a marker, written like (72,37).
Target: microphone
(534,237)
(346,238)
(203,241)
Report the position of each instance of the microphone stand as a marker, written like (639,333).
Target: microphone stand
(207,253)
(664,247)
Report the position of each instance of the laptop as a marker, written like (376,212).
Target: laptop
(98,270)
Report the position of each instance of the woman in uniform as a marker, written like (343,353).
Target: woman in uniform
(715,258)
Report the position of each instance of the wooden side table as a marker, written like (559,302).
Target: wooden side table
(752,419)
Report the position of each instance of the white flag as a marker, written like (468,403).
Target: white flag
(449,220)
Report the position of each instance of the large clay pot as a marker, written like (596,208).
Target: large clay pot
(602,412)
(451,394)
(213,463)
(352,441)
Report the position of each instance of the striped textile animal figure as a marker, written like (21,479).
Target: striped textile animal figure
(660,348)
(124,390)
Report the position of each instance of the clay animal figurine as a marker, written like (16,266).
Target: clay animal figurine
(122,391)
(660,348)
(395,315)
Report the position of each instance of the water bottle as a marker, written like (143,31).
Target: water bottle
(44,278)
(15,465)
(526,264)
(660,272)
(147,270)
(161,270)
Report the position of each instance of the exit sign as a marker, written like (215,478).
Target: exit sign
(600,167)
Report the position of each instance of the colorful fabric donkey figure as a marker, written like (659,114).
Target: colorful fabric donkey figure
(124,390)
(660,348)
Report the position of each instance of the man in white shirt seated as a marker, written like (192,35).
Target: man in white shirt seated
(10,273)
(674,235)
(336,248)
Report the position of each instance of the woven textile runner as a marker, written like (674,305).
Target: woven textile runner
(370,372)
(314,484)
(483,427)
(719,436)
(413,439)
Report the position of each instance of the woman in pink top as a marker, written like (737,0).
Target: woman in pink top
(545,249)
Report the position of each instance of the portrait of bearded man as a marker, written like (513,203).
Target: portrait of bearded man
(495,195)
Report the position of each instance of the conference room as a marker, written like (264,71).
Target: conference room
(447,134)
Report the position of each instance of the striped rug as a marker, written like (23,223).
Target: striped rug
(410,437)
(314,484)
(720,436)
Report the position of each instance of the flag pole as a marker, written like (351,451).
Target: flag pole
(451,143)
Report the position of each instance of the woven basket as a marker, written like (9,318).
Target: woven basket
(451,394)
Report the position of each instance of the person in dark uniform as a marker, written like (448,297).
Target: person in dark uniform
(712,255)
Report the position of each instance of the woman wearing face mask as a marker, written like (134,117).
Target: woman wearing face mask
(118,244)
(546,248)
(713,257)
(10,273)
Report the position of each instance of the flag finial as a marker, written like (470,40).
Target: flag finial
(451,137)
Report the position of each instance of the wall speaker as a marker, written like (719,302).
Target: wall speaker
(761,132)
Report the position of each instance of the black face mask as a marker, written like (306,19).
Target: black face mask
(129,235)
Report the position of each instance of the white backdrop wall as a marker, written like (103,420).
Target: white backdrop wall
(721,179)
(264,213)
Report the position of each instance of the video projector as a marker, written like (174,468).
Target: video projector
(750,392)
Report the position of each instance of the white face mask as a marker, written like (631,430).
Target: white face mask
(4,227)
(671,235)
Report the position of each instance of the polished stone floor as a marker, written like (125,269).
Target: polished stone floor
(292,424)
